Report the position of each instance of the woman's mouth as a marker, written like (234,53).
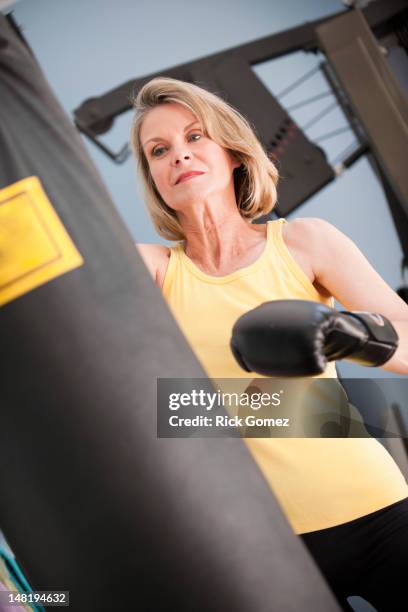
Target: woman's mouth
(187,176)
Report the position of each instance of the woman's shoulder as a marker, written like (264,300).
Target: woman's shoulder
(153,250)
(303,228)
(319,238)
(156,258)
(310,234)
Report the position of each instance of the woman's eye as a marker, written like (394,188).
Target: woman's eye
(157,151)
(195,136)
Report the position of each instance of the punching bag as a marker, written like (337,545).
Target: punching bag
(92,502)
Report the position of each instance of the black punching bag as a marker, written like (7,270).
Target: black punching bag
(91,501)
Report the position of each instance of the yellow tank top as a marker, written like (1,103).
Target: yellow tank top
(319,482)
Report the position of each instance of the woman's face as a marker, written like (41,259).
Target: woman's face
(185,165)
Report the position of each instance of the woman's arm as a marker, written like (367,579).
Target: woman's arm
(340,267)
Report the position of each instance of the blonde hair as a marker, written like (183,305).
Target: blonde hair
(255,180)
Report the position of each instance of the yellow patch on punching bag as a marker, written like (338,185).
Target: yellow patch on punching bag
(34,245)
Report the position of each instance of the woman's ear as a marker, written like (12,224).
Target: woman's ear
(236,163)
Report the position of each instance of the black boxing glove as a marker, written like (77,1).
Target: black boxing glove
(298,338)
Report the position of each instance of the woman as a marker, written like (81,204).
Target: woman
(206,178)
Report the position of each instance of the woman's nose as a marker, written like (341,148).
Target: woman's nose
(179,158)
(181,154)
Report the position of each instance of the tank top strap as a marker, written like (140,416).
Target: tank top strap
(274,234)
(276,252)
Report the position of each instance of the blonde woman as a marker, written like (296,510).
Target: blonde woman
(206,178)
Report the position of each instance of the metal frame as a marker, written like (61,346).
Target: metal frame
(97,113)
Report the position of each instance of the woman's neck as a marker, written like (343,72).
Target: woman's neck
(217,243)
